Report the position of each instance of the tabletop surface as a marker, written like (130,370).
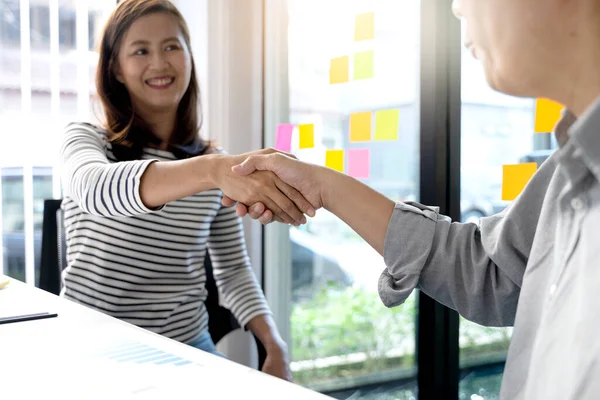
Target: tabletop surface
(84,354)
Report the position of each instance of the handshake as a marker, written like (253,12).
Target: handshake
(270,185)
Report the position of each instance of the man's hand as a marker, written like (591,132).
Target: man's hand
(284,202)
(302,176)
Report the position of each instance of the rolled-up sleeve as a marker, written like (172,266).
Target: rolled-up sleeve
(476,269)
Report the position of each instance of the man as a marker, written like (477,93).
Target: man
(537,264)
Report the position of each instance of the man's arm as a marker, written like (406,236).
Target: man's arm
(476,270)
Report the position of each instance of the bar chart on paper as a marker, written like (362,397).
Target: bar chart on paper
(139,353)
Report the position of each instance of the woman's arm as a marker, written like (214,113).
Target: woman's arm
(277,362)
(239,290)
(135,187)
(477,270)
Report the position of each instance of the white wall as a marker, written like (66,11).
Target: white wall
(227,46)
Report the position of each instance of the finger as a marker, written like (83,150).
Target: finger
(266,217)
(272,150)
(241,209)
(253,163)
(227,202)
(256,210)
(287,206)
(274,207)
(297,197)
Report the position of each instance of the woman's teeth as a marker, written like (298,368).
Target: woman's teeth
(160,81)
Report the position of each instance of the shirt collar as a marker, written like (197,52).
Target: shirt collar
(583,136)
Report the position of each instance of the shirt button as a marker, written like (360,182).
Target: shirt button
(577,204)
(552,290)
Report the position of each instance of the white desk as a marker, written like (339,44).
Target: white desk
(84,354)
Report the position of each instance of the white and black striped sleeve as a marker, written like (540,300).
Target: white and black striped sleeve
(97,186)
(238,288)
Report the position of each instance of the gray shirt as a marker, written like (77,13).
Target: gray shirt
(536,266)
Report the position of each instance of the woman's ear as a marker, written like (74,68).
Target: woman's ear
(118,74)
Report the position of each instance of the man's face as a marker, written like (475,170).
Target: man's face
(517,41)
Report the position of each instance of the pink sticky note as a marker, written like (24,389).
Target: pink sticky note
(359,163)
(283,141)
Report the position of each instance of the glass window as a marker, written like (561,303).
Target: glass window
(496,130)
(43,123)
(39,21)
(13,228)
(13,217)
(342,337)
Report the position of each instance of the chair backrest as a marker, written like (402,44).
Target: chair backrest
(54,259)
(53,247)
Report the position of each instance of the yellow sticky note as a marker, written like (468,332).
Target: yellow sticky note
(386,124)
(547,115)
(514,179)
(364,65)
(338,70)
(334,159)
(364,27)
(307,136)
(3,282)
(360,127)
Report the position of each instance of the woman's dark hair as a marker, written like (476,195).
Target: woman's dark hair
(127,132)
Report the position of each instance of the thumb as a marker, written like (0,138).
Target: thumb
(250,165)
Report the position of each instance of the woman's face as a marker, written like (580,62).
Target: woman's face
(154,63)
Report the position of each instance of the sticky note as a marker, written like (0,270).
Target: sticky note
(283,141)
(3,282)
(364,27)
(338,70)
(307,136)
(547,115)
(334,159)
(386,124)
(360,126)
(514,179)
(364,65)
(359,163)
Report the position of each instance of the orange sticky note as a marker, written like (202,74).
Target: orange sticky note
(364,65)
(515,178)
(334,159)
(360,127)
(307,136)
(338,70)
(364,27)
(386,124)
(547,115)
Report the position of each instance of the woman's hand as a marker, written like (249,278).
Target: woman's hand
(277,363)
(304,177)
(284,202)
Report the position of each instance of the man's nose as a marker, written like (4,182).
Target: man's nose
(456,9)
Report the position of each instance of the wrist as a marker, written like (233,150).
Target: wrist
(325,180)
(219,165)
(275,346)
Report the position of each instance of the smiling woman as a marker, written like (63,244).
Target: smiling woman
(143,194)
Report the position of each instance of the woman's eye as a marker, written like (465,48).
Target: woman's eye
(140,52)
(172,47)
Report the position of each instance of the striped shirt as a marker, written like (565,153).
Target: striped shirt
(146,266)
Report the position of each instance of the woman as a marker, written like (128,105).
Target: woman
(535,265)
(141,208)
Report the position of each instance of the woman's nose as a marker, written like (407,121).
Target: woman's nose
(159,61)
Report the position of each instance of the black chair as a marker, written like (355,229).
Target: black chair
(54,259)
